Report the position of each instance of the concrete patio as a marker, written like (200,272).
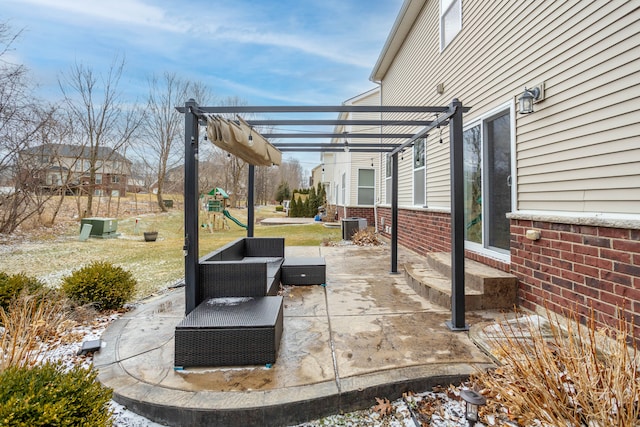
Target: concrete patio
(365,334)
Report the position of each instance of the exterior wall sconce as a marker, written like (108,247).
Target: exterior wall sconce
(473,400)
(529,97)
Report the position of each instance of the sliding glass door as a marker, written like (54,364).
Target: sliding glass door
(487,191)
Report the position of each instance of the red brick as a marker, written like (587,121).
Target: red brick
(616,255)
(627,292)
(561,245)
(621,279)
(586,290)
(548,234)
(600,242)
(560,227)
(632,270)
(586,270)
(565,265)
(596,283)
(619,233)
(593,261)
(574,297)
(586,250)
(615,300)
(550,252)
(571,237)
(574,277)
(561,282)
(575,258)
(627,245)
(587,229)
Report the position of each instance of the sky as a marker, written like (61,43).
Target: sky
(265,52)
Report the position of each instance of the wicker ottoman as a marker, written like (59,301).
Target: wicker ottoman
(230,332)
(304,271)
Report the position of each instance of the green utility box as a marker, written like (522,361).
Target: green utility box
(168,203)
(214,206)
(101,227)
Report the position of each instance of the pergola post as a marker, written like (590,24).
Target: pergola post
(394,213)
(457,322)
(191,201)
(251,199)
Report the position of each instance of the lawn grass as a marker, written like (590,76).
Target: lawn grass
(155,265)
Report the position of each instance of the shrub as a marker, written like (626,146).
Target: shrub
(11,286)
(566,374)
(49,395)
(279,208)
(100,283)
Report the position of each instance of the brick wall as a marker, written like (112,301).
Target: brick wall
(578,266)
(358,212)
(428,231)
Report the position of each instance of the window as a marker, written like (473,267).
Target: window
(366,186)
(419,170)
(388,178)
(115,179)
(344,189)
(450,21)
(98,178)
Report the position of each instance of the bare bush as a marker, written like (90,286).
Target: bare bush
(572,375)
(28,322)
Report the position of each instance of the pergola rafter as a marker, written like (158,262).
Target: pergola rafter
(450,115)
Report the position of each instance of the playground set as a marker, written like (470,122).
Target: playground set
(215,214)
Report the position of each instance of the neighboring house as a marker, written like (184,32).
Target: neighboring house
(353,175)
(570,170)
(65,167)
(173,181)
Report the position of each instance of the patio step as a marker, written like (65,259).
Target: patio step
(485,287)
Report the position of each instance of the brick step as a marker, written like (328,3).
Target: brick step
(485,287)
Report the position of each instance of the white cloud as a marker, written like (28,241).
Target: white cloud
(125,12)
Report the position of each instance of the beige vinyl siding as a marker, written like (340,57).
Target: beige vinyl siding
(585,131)
(582,153)
(362,160)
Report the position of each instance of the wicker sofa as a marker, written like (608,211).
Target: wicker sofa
(238,317)
(247,267)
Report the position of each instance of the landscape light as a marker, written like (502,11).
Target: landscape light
(473,400)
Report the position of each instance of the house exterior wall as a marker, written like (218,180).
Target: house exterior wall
(349,163)
(575,161)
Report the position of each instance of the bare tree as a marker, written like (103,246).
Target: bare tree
(22,119)
(163,128)
(164,125)
(291,173)
(96,106)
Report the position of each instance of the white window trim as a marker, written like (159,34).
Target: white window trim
(366,186)
(413,176)
(479,247)
(387,179)
(442,12)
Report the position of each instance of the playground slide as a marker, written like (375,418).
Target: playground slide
(228,215)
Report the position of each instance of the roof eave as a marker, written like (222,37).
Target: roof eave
(404,22)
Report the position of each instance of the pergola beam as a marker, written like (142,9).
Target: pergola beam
(317,109)
(339,122)
(338,135)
